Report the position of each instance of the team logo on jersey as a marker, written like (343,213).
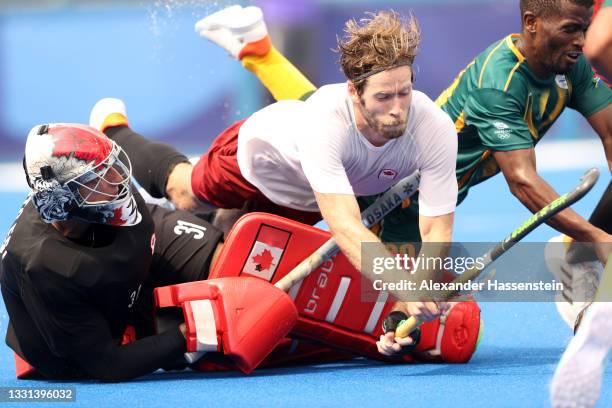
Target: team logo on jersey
(387,174)
(502,130)
(561,81)
(267,251)
(596,81)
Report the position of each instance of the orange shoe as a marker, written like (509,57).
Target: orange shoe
(108,112)
(239,31)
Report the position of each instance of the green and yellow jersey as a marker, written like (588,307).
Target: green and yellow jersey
(498,104)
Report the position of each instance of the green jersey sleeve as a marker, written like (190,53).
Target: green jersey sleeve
(589,94)
(498,119)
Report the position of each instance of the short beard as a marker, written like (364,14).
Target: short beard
(380,127)
(558,71)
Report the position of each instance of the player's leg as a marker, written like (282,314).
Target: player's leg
(577,265)
(578,377)
(159,168)
(243,33)
(164,172)
(580,280)
(215,181)
(601,219)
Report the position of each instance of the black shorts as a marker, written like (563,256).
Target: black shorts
(184,246)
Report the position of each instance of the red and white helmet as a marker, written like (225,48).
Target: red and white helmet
(77,172)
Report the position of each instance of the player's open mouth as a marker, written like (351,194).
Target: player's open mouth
(573,56)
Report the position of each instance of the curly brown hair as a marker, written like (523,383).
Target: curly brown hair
(375,43)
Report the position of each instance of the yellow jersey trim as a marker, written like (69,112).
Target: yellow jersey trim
(484,65)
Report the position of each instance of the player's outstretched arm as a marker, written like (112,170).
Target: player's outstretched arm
(341,212)
(74,329)
(519,169)
(598,43)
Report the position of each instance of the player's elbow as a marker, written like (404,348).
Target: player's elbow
(339,224)
(441,232)
(519,183)
(519,190)
(341,229)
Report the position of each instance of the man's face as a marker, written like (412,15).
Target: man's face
(102,189)
(560,37)
(385,103)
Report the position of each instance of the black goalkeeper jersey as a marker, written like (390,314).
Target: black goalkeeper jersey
(69,302)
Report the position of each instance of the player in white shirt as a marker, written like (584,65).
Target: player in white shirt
(307,159)
(345,140)
(292,149)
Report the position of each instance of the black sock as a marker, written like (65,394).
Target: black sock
(151,161)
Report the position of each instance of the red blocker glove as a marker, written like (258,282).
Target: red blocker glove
(244,318)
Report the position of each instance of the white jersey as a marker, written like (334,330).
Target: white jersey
(291,148)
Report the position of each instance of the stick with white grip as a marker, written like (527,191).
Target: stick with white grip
(393,197)
(587,182)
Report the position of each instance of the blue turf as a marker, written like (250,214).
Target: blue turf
(512,368)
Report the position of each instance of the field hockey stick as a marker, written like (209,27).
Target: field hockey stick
(393,197)
(587,182)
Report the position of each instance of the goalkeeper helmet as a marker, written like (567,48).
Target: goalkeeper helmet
(76,172)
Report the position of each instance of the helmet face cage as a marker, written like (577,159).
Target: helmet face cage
(99,173)
(106,183)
